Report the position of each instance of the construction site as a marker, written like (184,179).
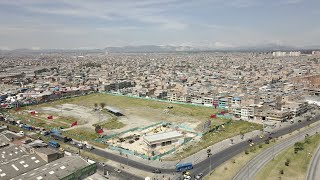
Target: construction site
(152,141)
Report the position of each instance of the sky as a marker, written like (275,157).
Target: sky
(78,24)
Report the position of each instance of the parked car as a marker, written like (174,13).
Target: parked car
(101,164)
(80,145)
(45,133)
(27,141)
(117,170)
(72,142)
(21,133)
(158,171)
(88,146)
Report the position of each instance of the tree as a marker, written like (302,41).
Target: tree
(298,146)
(246,151)
(287,162)
(102,105)
(98,127)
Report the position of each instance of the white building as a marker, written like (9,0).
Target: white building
(247,112)
(282,54)
(294,53)
(279,54)
(315,52)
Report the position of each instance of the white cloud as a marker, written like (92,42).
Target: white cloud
(145,11)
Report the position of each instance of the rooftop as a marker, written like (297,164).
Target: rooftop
(9,153)
(20,166)
(10,135)
(163,136)
(3,140)
(46,151)
(56,169)
(115,110)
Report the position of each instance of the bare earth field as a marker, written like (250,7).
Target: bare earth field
(137,111)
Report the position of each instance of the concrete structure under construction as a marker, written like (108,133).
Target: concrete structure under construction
(162,139)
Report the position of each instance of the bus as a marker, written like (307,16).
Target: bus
(183,167)
(60,137)
(53,144)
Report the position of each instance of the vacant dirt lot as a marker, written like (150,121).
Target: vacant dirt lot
(137,112)
(85,116)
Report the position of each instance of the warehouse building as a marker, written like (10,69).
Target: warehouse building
(19,165)
(25,163)
(67,168)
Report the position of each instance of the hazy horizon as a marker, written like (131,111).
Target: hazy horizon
(44,24)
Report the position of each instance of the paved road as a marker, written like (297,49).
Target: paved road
(123,175)
(314,167)
(254,165)
(213,161)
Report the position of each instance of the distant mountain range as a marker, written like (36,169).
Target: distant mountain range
(168,48)
(154,48)
(149,49)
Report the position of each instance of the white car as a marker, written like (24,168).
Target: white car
(117,170)
(21,133)
(88,146)
(80,145)
(72,142)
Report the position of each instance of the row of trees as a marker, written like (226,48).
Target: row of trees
(102,105)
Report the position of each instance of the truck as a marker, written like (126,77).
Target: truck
(27,127)
(60,137)
(53,144)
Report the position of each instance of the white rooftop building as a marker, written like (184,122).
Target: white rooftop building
(162,139)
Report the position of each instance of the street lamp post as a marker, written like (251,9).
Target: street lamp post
(127,159)
(248,171)
(273,151)
(210,164)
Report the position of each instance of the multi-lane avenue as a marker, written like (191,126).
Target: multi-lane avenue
(314,167)
(254,165)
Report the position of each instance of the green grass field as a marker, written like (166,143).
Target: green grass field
(298,163)
(112,123)
(123,102)
(83,134)
(39,121)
